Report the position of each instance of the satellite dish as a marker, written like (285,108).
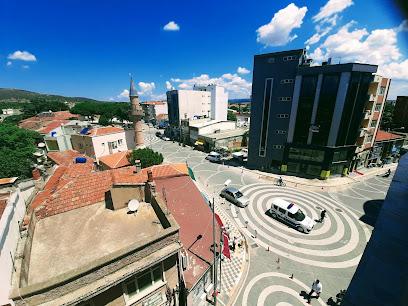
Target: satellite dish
(133,205)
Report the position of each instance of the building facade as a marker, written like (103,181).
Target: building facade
(370,123)
(202,102)
(309,118)
(400,118)
(153,110)
(98,142)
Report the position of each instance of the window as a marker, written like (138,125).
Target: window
(306,154)
(265,116)
(285,98)
(377,107)
(369,138)
(339,156)
(282,210)
(277,146)
(286,81)
(382,90)
(373,123)
(275,206)
(137,286)
(120,142)
(280,132)
(289,58)
(113,144)
(271,60)
(282,116)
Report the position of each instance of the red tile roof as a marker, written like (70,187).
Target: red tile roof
(66,157)
(52,125)
(115,160)
(45,124)
(153,103)
(105,131)
(77,185)
(3,202)
(384,136)
(194,217)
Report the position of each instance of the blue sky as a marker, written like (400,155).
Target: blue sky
(88,48)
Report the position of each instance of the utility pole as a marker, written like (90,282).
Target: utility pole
(215,257)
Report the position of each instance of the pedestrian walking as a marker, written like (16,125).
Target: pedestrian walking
(234,244)
(322,215)
(316,288)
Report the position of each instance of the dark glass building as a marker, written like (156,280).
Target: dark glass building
(308,126)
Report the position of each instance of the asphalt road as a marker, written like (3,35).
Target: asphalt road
(331,252)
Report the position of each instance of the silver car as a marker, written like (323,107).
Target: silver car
(234,196)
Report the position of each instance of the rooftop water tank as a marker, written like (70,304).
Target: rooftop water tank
(80,160)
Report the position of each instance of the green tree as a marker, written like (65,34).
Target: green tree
(231,116)
(16,151)
(14,119)
(104,120)
(147,157)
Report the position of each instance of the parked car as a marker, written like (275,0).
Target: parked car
(234,196)
(165,138)
(292,214)
(214,157)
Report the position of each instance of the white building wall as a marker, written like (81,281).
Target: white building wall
(101,147)
(161,109)
(194,103)
(219,101)
(220,126)
(10,234)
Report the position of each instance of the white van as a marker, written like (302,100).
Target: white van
(292,214)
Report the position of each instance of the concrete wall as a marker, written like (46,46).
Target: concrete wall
(193,103)
(100,144)
(83,144)
(10,234)
(122,194)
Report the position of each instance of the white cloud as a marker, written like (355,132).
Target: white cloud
(22,56)
(9,63)
(397,88)
(171,26)
(327,19)
(331,8)
(377,47)
(146,89)
(242,70)
(25,67)
(169,86)
(278,31)
(236,86)
(123,95)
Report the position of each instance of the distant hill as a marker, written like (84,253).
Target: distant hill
(239,101)
(21,96)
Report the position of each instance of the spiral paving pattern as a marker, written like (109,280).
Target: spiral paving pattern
(335,243)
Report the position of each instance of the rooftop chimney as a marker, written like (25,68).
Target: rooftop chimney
(149,176)
(138,166)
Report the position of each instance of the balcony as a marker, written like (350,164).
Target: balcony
(360,141)
(367,114)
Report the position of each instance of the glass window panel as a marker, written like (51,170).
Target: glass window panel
(157,275)
(131,287)
(144,281)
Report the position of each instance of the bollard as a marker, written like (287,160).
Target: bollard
(291,277)
(278,261)
(246,224)
(256,234)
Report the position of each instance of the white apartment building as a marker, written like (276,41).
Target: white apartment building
(202,102)
(219,101)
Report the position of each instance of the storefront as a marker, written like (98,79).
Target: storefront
(316,162)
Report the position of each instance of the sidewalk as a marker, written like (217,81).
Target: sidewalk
(232,270)
(332,184)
